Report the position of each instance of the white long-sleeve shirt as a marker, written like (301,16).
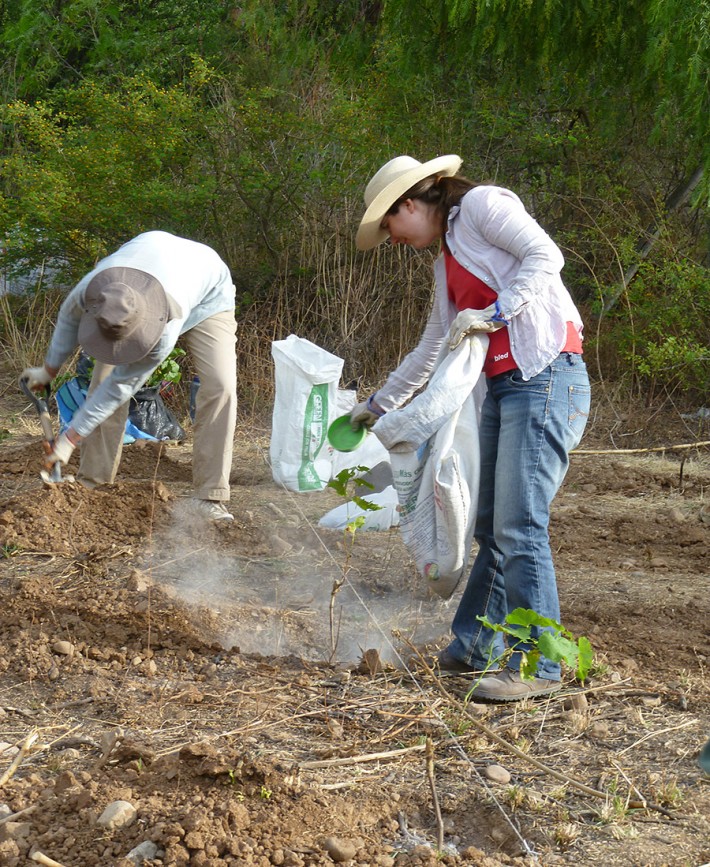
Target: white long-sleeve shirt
(492,235)
(194,277)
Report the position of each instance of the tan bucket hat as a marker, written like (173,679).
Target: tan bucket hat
(125,312)
(390,183)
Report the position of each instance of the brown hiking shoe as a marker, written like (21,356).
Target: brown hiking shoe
(508,685)
(446,663)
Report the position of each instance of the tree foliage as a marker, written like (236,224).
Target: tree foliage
(57,43)
(611,60)
(88,167)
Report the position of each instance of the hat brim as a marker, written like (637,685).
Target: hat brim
(370,232)
(137,344)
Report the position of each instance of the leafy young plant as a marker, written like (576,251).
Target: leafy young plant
(554,642)
(168,370)
(346,483)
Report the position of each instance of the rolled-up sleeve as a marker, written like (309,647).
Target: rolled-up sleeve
(415,368)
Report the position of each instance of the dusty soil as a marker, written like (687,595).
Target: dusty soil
(188,670)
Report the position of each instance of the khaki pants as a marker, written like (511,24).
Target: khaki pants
(212,347)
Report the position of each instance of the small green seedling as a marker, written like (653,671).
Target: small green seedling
(555,643)
(168,370)
(349,486)
(346,480)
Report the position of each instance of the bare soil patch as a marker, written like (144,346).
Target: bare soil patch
(187,669)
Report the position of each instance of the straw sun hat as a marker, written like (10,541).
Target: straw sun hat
(390,183)
(125,312)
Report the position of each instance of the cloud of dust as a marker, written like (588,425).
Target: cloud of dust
(281,606)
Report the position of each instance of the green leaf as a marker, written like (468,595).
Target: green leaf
(528,664)
(354,525)
(339,483)
(586,658)
(366,505)
(521,634)
(168,370)
(528,617)
(558,648)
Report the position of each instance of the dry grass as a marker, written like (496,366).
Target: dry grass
(26,324)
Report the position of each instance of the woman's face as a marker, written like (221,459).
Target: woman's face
(416,223)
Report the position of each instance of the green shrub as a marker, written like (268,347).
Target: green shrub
(662,330)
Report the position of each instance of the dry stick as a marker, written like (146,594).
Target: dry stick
(690,722)
(628,781)
(29,714)
(366,757)
(13,816)
(63,705)
(432,784)
(151,520)
(640,451)
(114,738)
(176,559)
(43,859)
(489,733)
(24,749)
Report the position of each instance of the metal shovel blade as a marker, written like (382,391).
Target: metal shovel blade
(54,476)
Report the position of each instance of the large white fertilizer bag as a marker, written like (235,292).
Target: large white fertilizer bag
(305,403)
(434,453)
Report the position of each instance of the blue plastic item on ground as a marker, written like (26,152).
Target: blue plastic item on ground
(71,395)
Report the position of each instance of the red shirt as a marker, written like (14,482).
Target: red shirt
(466,291)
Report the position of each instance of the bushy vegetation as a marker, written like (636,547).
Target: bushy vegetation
(254,128)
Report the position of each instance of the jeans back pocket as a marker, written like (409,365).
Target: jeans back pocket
(579,402)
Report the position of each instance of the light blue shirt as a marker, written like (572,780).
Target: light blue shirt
(194,277)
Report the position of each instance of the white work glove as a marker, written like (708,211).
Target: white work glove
(61,452)
(470,322)
(36,377)
(365,413)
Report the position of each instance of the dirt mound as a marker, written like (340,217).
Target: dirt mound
(69,519)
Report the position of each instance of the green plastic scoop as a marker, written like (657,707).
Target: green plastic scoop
(342,436)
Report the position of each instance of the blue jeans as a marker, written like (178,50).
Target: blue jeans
(526,432)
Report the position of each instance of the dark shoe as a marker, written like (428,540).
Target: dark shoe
(508,685)
(446,663)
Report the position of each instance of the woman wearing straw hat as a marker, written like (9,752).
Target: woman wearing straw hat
(499,274)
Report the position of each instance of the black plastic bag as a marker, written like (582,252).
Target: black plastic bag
(148,412)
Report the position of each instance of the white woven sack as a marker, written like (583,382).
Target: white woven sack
(305,403)
(434,452)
